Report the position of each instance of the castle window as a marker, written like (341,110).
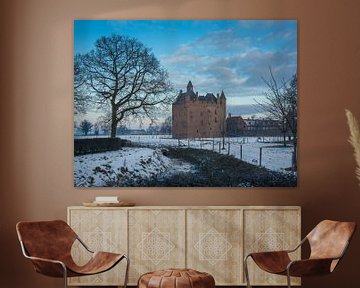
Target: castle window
(215,118)
(215,112)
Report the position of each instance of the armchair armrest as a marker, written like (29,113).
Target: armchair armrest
(279,252)
(314,266)
(309,267)
(49,267)
(298,246)
(83,244)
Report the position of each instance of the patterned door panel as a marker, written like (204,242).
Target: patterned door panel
(214,241)
(100,230)
(157,240)
(270,230)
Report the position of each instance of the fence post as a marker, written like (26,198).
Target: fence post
(241,152)
(179,142)
(228,148)
(188,143)
(260,156)
(213,144)
(293,160)
(219,147)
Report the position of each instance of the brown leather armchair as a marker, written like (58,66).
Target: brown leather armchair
(328,242)
(48,245)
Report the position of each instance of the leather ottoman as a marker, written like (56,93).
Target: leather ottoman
(176,278)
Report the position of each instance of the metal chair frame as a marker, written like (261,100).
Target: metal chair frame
(26,255)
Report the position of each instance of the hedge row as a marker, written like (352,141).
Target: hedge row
(96,145)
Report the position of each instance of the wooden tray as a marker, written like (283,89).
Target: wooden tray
(120,204)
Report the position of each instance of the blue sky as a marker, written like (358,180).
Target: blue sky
(229,55)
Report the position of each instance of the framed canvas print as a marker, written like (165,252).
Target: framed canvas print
(185,103)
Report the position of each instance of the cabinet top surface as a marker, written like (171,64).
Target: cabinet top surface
(192,207)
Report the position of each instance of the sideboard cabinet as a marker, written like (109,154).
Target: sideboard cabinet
(212,239)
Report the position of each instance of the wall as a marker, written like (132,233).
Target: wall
(36,111)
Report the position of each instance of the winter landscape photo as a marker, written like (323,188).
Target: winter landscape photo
(185,103)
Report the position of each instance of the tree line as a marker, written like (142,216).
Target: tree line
(86,127)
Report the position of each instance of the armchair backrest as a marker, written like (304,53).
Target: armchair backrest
(329,239)
(46,239)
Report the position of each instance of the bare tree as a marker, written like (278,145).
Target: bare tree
(279,102)
(80,98)
(85,126)
(105,129)
(96,129)
(124,78)
(290,97)
(166,125)
(281,105)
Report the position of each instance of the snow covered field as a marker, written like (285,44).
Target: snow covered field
(132,166)
(125,167)
(274,156)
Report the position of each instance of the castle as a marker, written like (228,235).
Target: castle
(195,116)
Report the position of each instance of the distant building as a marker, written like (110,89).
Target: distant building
(195,116)
(239,126)
(235,126)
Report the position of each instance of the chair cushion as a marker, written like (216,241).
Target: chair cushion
(99,262)
(176,278)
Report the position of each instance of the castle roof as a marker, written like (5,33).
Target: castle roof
(182,95)
(209,97)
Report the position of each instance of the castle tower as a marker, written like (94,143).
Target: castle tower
(222,97)
(197,116)
(189,87)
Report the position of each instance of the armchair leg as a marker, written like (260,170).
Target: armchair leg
(288,278)
(246,270)
(127,271)
(65,275)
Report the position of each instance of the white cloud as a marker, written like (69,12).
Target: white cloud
(221,60)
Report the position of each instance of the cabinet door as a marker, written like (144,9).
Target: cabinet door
(100,230)
(270,230)
(214,244)
(156,240)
